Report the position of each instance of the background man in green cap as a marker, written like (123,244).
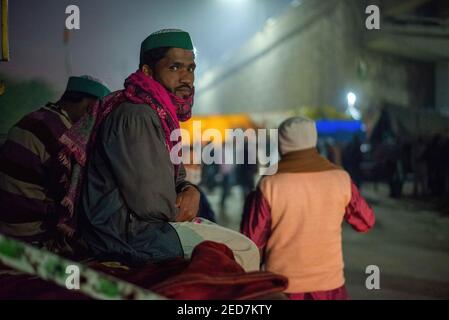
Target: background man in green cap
(136,205)
(31,174)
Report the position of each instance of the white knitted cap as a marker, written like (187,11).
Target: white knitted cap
(296,134)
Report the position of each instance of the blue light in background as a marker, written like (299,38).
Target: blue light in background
(342,130)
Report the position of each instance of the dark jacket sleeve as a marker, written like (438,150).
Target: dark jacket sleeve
(181,182)
(141,164)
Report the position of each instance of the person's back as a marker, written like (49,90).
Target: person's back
(307,211)
(28,190)
(295,216)
(33,177)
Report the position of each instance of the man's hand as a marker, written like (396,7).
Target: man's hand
(188,202)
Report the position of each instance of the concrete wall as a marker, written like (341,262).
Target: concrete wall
(312,56)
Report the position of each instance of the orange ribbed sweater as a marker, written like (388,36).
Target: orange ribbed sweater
(305,243)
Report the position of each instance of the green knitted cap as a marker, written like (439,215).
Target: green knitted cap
(173,38)
(88,84)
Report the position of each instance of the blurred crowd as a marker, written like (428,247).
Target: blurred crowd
(423,161)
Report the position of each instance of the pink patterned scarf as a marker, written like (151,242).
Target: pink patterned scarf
(77,142)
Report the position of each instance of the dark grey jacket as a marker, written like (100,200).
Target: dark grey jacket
(129,191)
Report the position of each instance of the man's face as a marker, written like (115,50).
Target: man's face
(82,108)
(176,71)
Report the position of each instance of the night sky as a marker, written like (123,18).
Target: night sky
(107,45)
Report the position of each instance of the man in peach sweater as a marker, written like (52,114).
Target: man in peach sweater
(295,216)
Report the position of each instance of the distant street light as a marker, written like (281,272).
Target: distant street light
(352,99)
(352,110)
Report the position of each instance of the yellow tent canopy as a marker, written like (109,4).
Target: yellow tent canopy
(220,123)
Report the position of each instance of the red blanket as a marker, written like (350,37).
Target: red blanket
(212,273)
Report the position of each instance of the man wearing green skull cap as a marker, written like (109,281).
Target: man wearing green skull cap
(31,175)
(136,205)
